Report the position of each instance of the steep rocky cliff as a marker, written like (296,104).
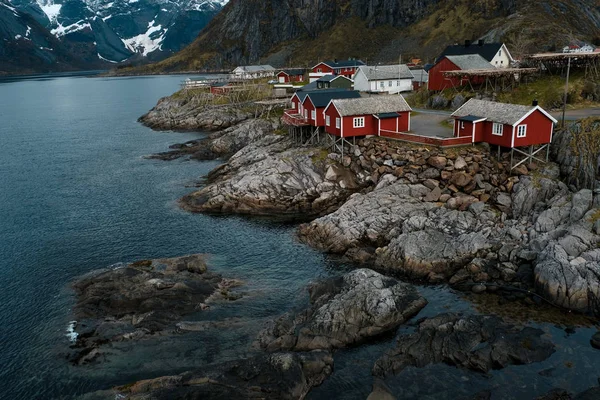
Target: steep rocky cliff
(300,31)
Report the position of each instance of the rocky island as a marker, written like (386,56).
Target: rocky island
(403,214)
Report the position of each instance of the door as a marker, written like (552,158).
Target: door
(282,79)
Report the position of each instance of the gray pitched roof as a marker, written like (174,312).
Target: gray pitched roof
(371,105)
(292,72)
(387,72)
(503,113)
(420,75)
(470,61)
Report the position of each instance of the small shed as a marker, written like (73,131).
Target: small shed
(290,75)
(220,88)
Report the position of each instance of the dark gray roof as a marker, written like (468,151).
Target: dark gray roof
(486,50)
(503,113)
(371,105)
(320,98)
(471,118)
(302,93)
(470,61)
(344,64)
(386,72)
(326,78)
(387,115)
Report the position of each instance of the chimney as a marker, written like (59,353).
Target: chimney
(467,43)
(335,60)
(534,103)
(480,42)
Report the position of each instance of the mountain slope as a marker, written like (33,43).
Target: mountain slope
(26,46)
(298,32)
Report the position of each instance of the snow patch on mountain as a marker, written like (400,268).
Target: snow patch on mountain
(65,30)
(148,41)
(51,10)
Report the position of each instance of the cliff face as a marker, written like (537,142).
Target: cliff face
(298,32)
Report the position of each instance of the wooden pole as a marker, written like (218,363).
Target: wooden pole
(566,93)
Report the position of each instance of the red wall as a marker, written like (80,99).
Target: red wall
(437,80)
(398,124)
(295,102)
(308,105)
(479,129)
(333,114)
(505,140)
(539,129)
(467,129)
(371,126)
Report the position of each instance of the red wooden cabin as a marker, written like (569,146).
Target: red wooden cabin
(290,75)
(315,102)
(506,125)
(345,68)
(377,115)
(221,88)
(437,80)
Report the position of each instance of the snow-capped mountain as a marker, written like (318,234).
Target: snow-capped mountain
(119,30)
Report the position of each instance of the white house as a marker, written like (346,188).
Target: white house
(383,79)
(253,72)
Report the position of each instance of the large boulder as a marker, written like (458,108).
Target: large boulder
(266,376)
(479,343)
(343,311)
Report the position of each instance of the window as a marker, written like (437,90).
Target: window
(359,122)
(462,124)
(497,129)
(319,70)
(382,84)
(500,52)
(313,115)
(305,114)
(389,83)
(327,120)
(337,123)
(522,131)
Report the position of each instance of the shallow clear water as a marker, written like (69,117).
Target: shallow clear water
(76,194)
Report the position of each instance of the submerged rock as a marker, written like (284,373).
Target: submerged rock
(267,376)
(344,310)
(139,299)
(479,343)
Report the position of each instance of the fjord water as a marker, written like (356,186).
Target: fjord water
(76,194)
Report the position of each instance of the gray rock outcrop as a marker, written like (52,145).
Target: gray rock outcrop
(131,301)
(266,376)
(479,343)
(343,311)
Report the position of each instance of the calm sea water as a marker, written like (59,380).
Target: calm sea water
(76,194)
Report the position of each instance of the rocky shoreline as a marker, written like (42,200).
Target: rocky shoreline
(458,216)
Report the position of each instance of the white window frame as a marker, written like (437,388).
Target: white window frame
(462,124)
(319,70)
(305,113)
(338,123)
(313,115)
(524,134)
(327,120)
(389,83)
(495,125)
(358,122)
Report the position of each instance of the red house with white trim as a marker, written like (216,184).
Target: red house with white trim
(502,124)
(437,79)
(290,75)
(377,115)
(315,102)
(345,68)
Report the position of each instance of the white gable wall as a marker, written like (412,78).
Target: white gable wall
(502,59)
